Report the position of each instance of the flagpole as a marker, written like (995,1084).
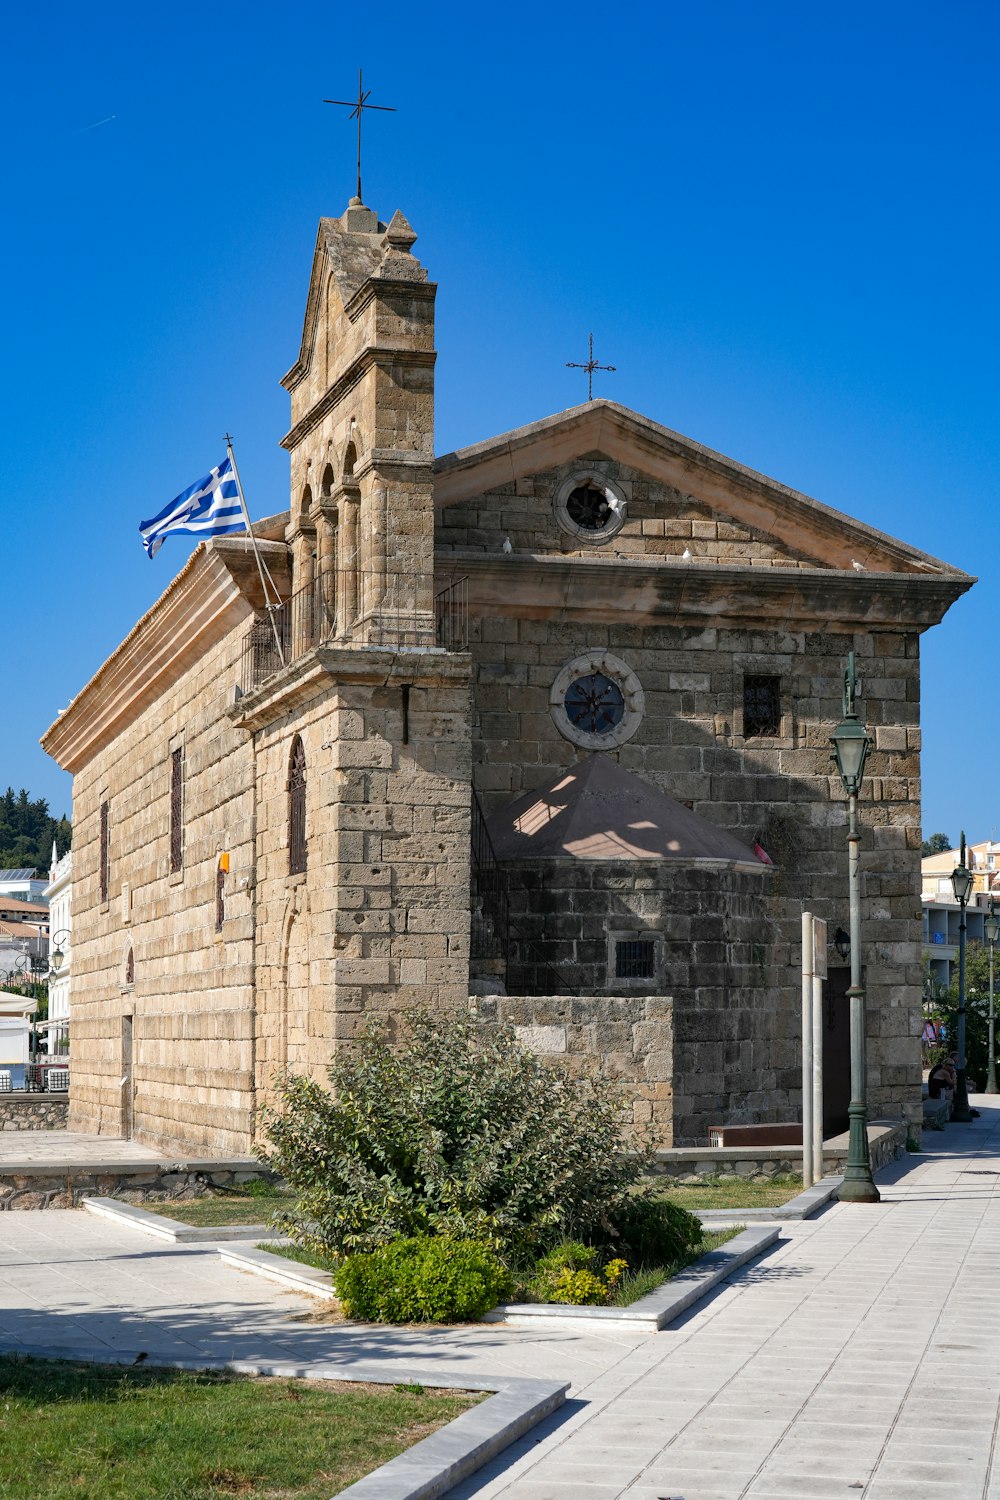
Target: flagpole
(261,569)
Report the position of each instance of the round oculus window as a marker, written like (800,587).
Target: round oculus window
(590,507)
(594,703)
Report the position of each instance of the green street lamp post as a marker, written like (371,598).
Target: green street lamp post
(850,748)
(961,884)
(991,926)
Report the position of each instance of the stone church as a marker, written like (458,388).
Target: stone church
(520,728)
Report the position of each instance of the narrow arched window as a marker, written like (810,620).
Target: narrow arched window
(130,967)
(297,847)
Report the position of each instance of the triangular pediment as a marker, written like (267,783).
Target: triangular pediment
(695,500)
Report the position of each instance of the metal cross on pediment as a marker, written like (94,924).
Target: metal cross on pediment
(852,687)
(590,366)
(357,107)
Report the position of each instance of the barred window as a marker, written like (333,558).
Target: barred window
(220,898)
(635,958)
(297,847)
(176,810)
(761,706)
(105,861)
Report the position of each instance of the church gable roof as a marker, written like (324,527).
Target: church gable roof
(730,513)
(598,810)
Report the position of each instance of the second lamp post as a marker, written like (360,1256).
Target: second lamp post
(991,926)
(850,749)
(961,884)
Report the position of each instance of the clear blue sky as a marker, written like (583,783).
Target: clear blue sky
(780,221)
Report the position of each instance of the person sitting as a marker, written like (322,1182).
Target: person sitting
(943,1078)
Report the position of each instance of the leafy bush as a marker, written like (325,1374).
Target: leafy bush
(455,1131)
(654,1231)
(423,1279)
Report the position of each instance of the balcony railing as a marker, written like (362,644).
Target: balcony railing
(383,615)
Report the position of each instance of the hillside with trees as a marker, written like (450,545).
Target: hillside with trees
(27,830)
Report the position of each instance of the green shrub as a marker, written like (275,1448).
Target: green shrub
(573,1273)
(580,1288)
(454,1130)
(424,1279)
(654,1231)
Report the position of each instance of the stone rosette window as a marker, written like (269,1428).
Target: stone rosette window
(590,507)
(597,701)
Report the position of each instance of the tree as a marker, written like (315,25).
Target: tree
(977,1010)
(27,831)
(938,843)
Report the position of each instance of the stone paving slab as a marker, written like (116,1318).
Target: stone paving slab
(70,1148)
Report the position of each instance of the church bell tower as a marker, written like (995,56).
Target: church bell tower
(361,529)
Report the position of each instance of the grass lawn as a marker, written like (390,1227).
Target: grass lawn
(733,1192)
(228,1208)
(73,1430)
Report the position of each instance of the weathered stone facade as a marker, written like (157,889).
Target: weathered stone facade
(196,979)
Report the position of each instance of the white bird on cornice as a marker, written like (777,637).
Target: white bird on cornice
(508,546)
(687,555)
(858,567)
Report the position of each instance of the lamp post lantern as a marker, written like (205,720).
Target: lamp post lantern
(850,748)
(991,926)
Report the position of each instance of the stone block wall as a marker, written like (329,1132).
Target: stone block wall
(189,1002)
(629,1039)
(380,918)
(734,1055)
(782,788)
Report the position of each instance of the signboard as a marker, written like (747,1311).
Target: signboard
(819,948)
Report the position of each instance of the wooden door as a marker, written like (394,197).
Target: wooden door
(836,1052)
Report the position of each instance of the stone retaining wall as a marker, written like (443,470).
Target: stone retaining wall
(24,1187)
(886,1141)
(33,1111)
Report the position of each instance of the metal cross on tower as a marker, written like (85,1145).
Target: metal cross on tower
(357,107)
(590,367)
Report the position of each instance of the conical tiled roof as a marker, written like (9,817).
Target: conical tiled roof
(597,810)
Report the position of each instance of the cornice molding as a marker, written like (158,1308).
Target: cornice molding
(381,358)
(330,665)
(640,591)
(214,593)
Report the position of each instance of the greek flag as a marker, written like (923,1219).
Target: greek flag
(209,508)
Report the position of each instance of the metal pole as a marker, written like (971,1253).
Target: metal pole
(991,1073)
(960,1110)
(817,1088)
(261,569)
(858,1185)
(807,1046)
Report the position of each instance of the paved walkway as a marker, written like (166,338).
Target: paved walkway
(862,1357)
(71,1148)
